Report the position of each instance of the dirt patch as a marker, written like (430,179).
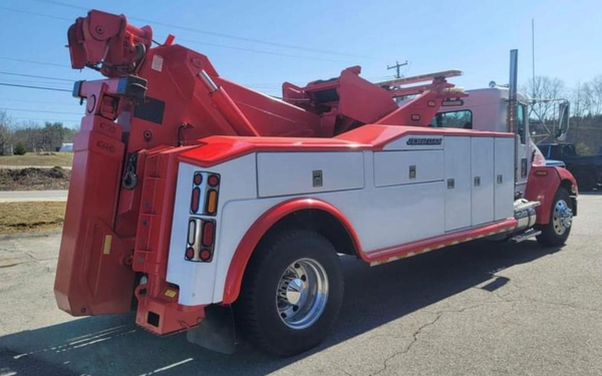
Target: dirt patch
(34,179)
(31,216)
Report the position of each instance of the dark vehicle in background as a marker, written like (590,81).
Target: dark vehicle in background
(587,169)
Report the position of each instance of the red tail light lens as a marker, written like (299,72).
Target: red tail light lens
(205,255)
(213,180)
(195,200)
(189,253)
(198,178)
(208,233)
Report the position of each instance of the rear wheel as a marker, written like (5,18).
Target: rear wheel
(557,231)
(291,294)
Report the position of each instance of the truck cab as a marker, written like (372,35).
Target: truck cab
(487,110)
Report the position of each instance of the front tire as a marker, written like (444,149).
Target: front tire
(291,293)
(557,231)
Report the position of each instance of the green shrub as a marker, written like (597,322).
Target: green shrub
(19,149)
(582,149)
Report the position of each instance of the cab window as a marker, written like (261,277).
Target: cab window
(520,122)
(452,119)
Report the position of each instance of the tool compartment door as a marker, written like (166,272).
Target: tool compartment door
(482,171)
(407,203)
(504,178)
(457,183)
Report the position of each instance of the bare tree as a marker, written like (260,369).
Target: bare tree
(542,88)
(6,132)
(595,96)
(577,99)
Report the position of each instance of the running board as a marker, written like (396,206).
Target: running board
(525,235)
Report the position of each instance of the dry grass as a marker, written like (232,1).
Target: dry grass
(46,159)
(31,216)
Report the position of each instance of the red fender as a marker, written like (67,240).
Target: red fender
(542,186)
(261,226)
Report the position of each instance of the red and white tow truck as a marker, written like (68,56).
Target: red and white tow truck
(193,197)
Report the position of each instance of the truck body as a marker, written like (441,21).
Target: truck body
(193,197)
(587,169)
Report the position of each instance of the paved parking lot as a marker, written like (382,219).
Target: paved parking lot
(480,309)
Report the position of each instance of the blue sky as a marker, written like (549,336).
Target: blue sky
(474,36)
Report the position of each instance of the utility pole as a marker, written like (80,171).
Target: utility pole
(396,67)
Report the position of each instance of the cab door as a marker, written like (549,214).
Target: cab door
(523,148)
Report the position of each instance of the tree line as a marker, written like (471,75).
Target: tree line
(32,137)
(586,109)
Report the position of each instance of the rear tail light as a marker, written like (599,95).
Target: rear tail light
(205,193)
(200,241)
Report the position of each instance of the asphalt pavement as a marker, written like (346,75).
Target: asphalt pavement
(21,196)
(482,308)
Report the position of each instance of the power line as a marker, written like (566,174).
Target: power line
(222,35)
(34,62)
(58,85)
(254,50)
(36,102)
(36,14)
(35,76)
(190,40)
(194,41)
(41,111)
(35,87)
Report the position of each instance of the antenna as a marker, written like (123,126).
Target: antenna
(533,56)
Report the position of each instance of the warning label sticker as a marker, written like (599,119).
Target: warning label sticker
(157,63)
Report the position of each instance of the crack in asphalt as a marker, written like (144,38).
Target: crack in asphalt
(440,314)
(408,347)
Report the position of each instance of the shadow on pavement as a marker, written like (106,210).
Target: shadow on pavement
(112,345)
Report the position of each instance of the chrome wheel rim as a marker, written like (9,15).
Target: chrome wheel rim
(302,293)
(562,218)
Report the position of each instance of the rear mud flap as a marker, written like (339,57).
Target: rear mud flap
(216,332)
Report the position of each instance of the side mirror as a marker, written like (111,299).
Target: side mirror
(564,110)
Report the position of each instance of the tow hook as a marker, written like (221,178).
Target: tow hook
(130,179)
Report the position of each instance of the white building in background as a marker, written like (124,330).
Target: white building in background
(67,147)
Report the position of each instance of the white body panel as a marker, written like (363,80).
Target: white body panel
(395,167)
(482,180)
(371,189)
(457,194)
(504,178)
(281,174)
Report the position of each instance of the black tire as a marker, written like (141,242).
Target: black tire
(256,309)
(586,181)
(549,236)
